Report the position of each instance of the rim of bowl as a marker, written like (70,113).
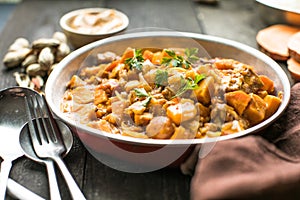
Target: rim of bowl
(277,4)
(63,22)
(158,142)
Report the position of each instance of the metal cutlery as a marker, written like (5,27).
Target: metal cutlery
(46,139)
(12,118)
(26,145)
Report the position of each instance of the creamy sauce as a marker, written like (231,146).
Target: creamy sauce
(104,22)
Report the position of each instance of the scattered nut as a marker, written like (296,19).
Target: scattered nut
(35,69)
(45,42)
(62,51)
(19,44)
(60,37)
(36,60)
(46,58)
(30,59)
(15,58)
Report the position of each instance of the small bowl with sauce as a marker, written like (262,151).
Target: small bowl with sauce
(87,25)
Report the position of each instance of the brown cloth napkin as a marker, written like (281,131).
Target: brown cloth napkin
(261,166)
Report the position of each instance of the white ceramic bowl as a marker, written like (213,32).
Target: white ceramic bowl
(155,152)
(79,38)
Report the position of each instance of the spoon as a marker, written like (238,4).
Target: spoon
(12,119)
(27,147)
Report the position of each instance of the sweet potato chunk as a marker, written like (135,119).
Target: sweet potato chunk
(148,55)
(256,110)
(203,93)
(129,53)
(183,111)
(239,100)
(273,103)
(160,128)
(268,84)
(157,58)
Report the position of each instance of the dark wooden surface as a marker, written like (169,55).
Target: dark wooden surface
(232,19)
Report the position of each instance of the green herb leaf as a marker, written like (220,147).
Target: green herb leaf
(161,78)
(199,77)
(192,54)
(146,101)
(175,60)
(136,62)
(141,92)
(189,84)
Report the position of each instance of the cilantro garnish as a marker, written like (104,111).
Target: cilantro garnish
(141,92)
(192,54)
(136,62)
(161,78)
(189,84)
(175,60)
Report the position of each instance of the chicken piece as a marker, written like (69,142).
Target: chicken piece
(75,81)
(92,71)
(130,85)
(100,96)
(103,125)
(137,108)
(182,133)
(83,95)
(143,120)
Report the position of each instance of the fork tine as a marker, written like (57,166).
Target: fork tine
(54,127)
(45,124)
(42,126)
(31,125)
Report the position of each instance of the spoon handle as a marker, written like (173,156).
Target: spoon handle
(53,186)
(72,185)
(4,173)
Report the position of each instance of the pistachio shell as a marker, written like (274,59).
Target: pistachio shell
(30,59)
(18,44)
(60,36)
(15,58)
(62,51)
(46,58)
(35,69)
(45,42)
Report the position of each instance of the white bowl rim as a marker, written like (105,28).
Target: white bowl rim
(176,142)
(63,20)
(272,4)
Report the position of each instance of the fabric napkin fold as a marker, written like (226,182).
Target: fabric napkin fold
(261,166)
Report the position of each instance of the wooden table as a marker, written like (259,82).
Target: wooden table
(237,20)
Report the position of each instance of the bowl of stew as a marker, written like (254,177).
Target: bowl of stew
(148,98)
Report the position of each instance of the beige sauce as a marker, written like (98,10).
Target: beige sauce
(107,21)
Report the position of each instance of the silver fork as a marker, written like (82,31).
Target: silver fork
(47,141)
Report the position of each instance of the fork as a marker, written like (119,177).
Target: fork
(47,140)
